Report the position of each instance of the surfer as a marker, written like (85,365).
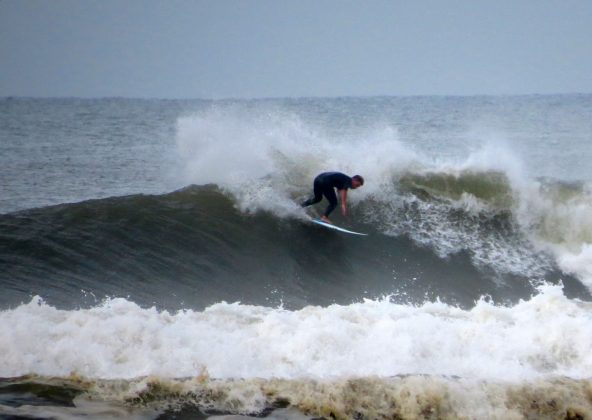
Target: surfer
(325,184)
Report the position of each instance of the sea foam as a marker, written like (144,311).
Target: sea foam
(548,335)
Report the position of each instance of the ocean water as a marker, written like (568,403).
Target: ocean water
(155,261)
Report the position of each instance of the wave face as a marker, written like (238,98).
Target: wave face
(194,247)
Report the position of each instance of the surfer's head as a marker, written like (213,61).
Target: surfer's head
(357,181)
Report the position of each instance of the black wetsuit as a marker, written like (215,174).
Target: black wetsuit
(324,185)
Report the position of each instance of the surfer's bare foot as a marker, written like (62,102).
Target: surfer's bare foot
(326,220)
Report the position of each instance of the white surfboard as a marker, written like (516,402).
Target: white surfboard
(330,226)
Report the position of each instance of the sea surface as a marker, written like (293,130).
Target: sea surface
(155,262)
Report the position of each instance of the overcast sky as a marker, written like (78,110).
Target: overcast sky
(215,49)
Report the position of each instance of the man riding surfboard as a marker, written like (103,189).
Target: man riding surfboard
(325,185)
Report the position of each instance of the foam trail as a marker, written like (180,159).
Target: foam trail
(547,335)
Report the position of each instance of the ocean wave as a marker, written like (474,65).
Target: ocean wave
(546,335)
(266,158)
(469,298)
(195,247)
(365,360)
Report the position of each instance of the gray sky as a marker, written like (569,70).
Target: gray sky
(215,49)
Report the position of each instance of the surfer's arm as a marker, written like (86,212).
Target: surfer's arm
(343,200)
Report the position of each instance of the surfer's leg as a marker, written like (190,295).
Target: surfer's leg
(329,194)
(318,195)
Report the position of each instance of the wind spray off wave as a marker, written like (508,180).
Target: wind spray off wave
(267,157)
